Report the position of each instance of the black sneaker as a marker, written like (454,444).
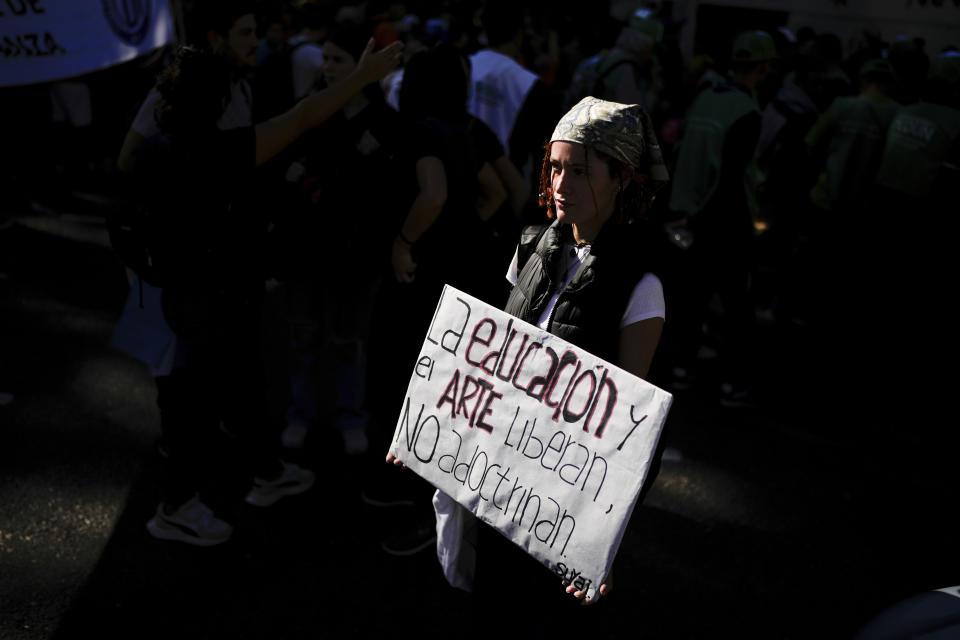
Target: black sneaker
(293,480)
(192,522)
(408,542)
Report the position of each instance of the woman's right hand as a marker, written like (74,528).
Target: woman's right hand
(603,590)
(404,268)
(375,65)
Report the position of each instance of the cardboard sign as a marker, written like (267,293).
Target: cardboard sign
(45,40)
(533,435)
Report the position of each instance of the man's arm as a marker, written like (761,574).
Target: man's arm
(144,125)
(277,133)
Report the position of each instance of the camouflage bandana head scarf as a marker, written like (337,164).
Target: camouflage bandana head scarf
(621,131)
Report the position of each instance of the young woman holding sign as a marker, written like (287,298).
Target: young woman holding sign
(588,277)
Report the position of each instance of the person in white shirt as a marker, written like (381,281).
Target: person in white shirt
(306,57)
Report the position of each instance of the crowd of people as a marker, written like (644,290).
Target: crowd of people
(393,151)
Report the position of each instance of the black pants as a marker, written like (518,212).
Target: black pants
(213,405)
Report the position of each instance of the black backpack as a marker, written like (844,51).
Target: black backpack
(131,227)
(590,76)
(145,226)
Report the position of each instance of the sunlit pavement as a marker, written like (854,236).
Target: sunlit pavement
(791,520)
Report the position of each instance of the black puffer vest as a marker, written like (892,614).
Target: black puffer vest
(589,309)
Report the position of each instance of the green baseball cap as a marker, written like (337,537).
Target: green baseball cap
(754,46)
(644,21)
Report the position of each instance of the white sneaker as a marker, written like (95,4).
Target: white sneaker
(292,481)
(193,522)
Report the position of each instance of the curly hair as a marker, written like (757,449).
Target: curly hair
(634,197)
(193,90)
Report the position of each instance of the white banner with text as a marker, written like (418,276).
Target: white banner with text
(545,442)
(47,40)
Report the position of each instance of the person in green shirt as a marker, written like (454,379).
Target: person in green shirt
(844,148)
(922,150)
(714,195)
(909,241)
(846,142)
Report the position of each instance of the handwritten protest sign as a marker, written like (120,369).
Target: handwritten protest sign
(536,437)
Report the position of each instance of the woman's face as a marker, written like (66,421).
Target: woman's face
(584,192)
(337,63)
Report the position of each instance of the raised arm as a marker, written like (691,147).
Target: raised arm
(277,133)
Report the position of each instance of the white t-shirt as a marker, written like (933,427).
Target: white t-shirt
(391,84)
(646,300)
(306,65)
(499,87)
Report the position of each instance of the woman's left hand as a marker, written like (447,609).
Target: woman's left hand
(392,459)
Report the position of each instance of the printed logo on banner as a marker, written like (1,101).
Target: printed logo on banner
(129,19)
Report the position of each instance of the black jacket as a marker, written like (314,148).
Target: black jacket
(589,309)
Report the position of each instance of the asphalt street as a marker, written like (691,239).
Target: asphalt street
(801,518)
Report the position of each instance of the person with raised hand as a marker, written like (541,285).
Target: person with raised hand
(209,252)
